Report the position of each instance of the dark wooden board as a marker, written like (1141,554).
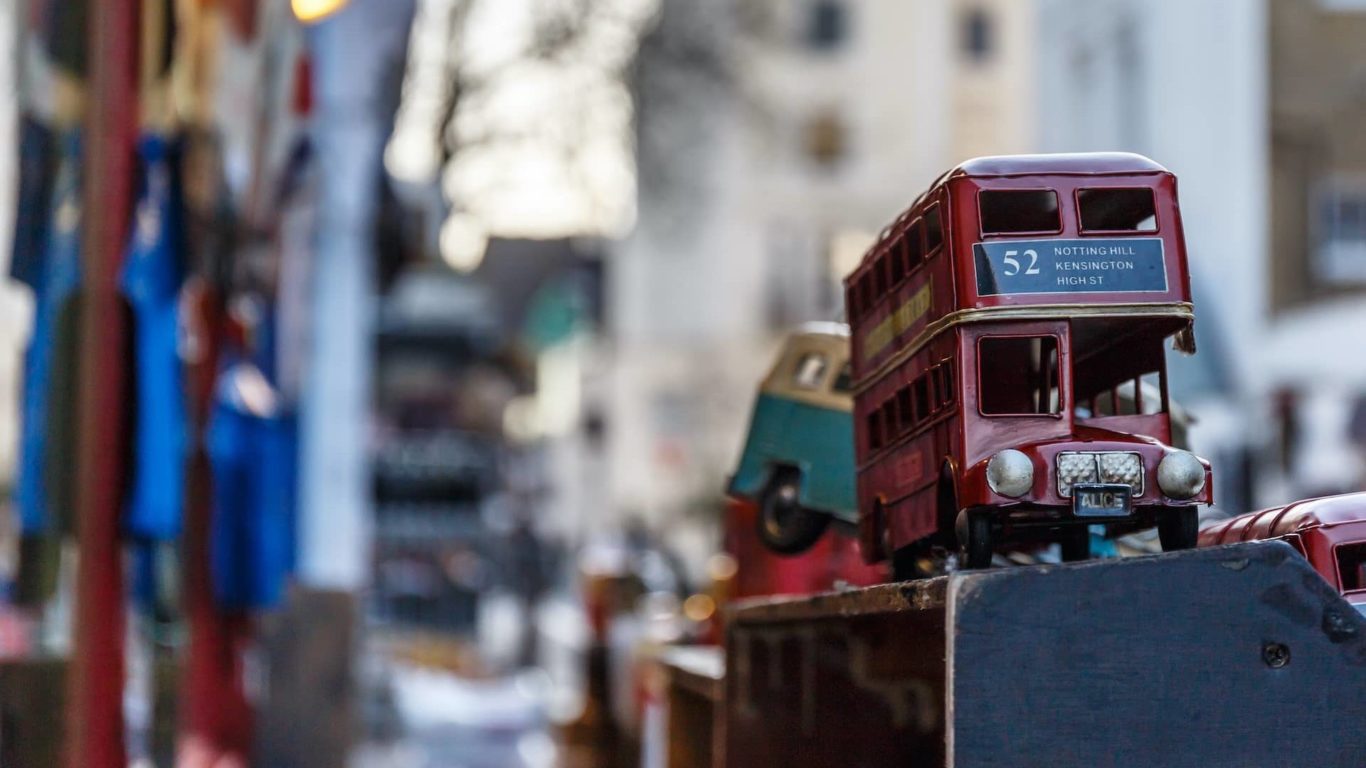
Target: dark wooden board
(1157,661)
(1166,660)
(32,712)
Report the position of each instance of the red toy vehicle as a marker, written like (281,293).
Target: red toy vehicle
(1330,532)
(1010,377)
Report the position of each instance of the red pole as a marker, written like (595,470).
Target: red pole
(95,689)
(216,718)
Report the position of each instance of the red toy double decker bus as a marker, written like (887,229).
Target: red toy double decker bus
(1330,532)
(1008,354)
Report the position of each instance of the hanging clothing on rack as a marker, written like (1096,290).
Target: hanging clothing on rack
(152,276)
(252,447)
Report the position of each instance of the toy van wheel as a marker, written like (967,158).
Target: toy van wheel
(785,526)
(1179,529)
(976,544)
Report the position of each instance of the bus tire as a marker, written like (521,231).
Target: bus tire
(784,525)
(1179,529)
(976,543)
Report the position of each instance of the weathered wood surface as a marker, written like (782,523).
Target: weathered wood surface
(308,718)
(1170,660)
(695,691)
(32,712)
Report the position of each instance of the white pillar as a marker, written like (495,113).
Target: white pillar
(354,52)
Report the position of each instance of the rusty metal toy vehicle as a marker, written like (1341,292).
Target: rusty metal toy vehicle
(798,460)
(1009,373)
(1330,532)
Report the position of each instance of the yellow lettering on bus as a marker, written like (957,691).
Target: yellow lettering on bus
(897,323)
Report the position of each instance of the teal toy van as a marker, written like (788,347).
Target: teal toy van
(798,460)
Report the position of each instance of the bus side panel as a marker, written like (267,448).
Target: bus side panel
(903,313)
(821,442)
(765,444)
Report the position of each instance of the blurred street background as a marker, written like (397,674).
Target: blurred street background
(443,321)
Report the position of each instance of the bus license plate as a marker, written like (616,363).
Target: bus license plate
(1101,500)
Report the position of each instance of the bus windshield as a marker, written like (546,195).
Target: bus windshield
(1116,373)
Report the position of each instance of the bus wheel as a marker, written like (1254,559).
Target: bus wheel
(1075,543)
(785,526)
(1179,529)
(975,544)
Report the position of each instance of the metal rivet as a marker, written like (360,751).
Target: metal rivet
(1276,655)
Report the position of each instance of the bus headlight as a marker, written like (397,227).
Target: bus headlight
(1180,475)
(1010,473)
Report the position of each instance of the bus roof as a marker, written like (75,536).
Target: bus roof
(1280,521)
(1084,163)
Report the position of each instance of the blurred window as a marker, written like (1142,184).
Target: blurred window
(810,371)
(977,35)
(1341,228)
(827,25)
(934,230)
(844,381)
(1117,210)
(1018,375)
(824,138)
(1015,211)
(1352,566)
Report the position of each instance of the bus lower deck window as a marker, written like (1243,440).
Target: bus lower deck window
(1015,211)
(1117,210)
(1018,375)
(874,424)
(903,403)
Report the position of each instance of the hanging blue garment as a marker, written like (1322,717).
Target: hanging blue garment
(151,280)
(37,156)
(58,280)
(252,449)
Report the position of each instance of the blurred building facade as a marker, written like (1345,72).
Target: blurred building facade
(1257,107)
(774,139)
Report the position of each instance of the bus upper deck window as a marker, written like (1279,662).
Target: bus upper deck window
(896,259)
(1117,210)
(1018,375)
(879,275)
(915,249)
(810,371)
(934,229)
(1014,211)
(1352,566)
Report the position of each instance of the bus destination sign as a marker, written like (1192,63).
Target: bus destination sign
(1114,265)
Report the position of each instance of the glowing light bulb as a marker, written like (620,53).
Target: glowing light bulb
(313,11)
